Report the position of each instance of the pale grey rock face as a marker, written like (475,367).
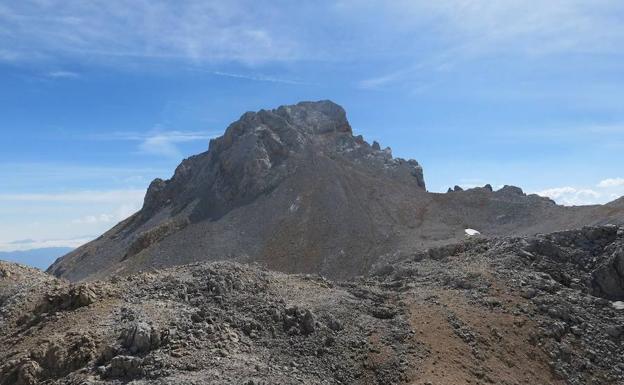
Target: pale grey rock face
(124,366)
(512,190)
(140,338)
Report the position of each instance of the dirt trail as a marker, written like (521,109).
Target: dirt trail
(472,344)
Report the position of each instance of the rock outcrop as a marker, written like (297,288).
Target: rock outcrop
(511,310)
(608,279)
(256,154)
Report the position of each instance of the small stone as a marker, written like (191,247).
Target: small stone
(125,366)
(308,323)
(529,293)
(614,331)
(334,324)
(141,338)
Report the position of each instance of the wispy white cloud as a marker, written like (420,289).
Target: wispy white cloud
(616,128)
(411,37)
(109,196)
(469,29)
(258,78)
(382,80)
(611,182)
(41,243)
(91,219)
(571,196)
(605,191)
(30,176)
(63,75)
(568,131)
(162,144)
(8,56)
(117,215)
(64,215)
(20,241)
(41,169)
(197,31)
(173,135)
(482,26)
(436,62)
(159,142)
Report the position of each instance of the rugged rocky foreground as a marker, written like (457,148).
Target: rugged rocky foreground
(295,190)
(538,310)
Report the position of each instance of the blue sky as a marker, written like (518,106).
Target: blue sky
(97,98)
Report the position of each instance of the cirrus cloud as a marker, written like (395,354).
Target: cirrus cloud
(83,196)
(193,31)
(611,182)
(165,143)
(160,142)
(29,244)
(119,214)
(63,75)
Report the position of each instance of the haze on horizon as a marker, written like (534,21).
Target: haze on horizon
(99,98)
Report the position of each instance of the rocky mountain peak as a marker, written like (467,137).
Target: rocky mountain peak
(286,126)
(260,150)
(294,189)
(315,117)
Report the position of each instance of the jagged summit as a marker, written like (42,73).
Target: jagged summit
(294,189)
(253,155)
(311,118)
(507,192)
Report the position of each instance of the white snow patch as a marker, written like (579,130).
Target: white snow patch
(471,232)
(618,305)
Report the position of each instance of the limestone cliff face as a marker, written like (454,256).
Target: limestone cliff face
(294,189)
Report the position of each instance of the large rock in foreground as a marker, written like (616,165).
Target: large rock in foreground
(608,279)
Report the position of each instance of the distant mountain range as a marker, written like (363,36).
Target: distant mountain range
(40,258)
